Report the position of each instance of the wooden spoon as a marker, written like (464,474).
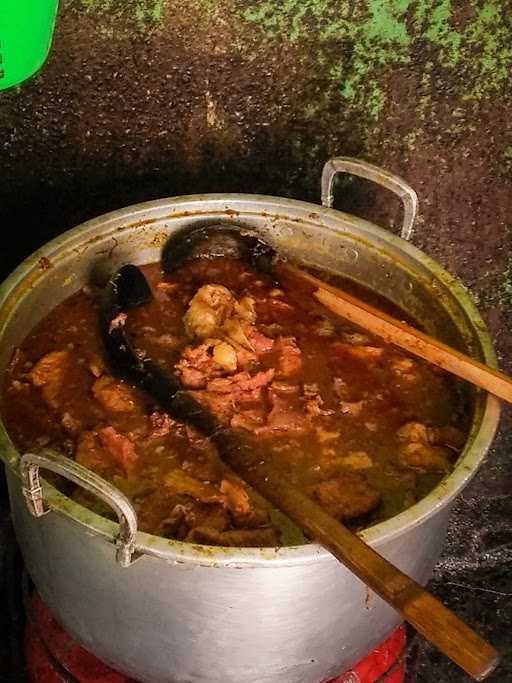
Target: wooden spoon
(128,289)
(439,625)
(395,332)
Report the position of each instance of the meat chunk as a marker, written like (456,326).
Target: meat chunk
(119,447)
(357,460)
(366,354)
(239,538)
(245,358)
(417,432)
(286,417)
(352,408)
(197,366)
(49,374)
(161,425)
(117,322)
(413,432)
(96,365)
(324,328)
(259,342)
(405,368)
(70,423)
(346,497)
(314,407)
(242,382)
(250,420)
(114,395)
(427,448)
(227,395)
(237,500)
(225,356)
(289,362)
(91,454)
(423,457)
(208,310)
(447,436)
(178,482)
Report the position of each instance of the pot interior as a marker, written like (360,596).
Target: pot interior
(322,238)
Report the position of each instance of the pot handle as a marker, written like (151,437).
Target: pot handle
(378,175)
(33,493)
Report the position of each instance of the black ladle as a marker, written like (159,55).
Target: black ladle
(128,289)
(216,241)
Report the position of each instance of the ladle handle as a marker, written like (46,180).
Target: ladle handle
(30,463)
(377,175)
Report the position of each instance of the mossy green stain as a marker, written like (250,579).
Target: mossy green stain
(382,35)
(439,31)
(144,12)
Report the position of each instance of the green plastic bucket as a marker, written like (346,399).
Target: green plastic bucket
(26,29)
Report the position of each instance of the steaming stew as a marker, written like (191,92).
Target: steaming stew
(360,426)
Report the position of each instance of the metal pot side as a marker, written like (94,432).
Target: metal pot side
(183,613)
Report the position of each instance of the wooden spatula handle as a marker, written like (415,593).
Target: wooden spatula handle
(395,332)
(422,610)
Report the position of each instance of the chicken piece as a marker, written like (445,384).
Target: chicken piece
(241,382)
(258,341)
(367,354)
(220,404)
(357,460)
(96,365)
(114,395)
(341,388)
(225,356)
(181,483)
(405,368)
(352,408)
(237,500)
(256,518)
(119,447)
(425,458)
(245,309)
(49,374)
(70,423)
(161,425)
(314,407)
(346,497)
(416,432)
(324,328)
(413,432)
(208,310)
(239,538)
(250,420)
(447,436)
(245,359)
(289,362)
(91,454)
(185,516)
(197,366)
(117,322)
(286,417)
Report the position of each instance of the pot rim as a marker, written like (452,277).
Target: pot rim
(478,443)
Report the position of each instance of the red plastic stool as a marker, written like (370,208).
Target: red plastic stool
(52,656)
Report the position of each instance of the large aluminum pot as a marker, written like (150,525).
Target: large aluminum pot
(161,610)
